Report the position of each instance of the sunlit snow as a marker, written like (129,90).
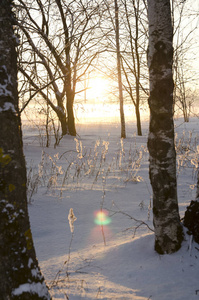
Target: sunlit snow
(94,172)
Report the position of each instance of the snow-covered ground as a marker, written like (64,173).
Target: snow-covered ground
(95,172)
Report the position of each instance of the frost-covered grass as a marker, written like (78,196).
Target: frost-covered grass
(98,171)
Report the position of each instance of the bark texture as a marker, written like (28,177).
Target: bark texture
(162,156)
(20,276)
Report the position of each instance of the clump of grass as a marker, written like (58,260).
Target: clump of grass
(87,168)
(33,181)
(187,150)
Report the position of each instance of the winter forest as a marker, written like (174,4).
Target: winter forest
(99,149)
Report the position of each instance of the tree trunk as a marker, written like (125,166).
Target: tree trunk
(63,121)
(123,130)
(139,128)
(20,277)
(71,118)
(137,68)
(162,156)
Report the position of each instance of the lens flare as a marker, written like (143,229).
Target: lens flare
(102,218)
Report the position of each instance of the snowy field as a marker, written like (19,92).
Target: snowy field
(99,172)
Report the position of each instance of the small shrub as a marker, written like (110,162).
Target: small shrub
(191,220)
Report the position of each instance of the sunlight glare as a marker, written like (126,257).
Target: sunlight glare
(97,88)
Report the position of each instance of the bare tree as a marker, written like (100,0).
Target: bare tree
(134,63)
(133,30)
(162,156)
(119,73)
(184,17)
(20,276)
(58,43)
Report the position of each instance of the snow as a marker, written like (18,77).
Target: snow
(35,288)
(9,205)
(7,105)
(16,39)
(95,171)
(4,88)
(30,262)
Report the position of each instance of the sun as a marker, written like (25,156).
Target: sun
(97,88)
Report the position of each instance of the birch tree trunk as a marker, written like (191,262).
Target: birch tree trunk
(123,130)
(162,156)
(20,277)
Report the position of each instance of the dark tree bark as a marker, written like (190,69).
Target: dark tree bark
(20,276)
(162,156)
